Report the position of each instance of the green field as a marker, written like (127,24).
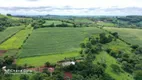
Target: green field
(40,60)
(82,20)
(107,24)
(118,45)
(11,52)
(56,40)
(132,36)
(49,22)
(2,16)
(8,32)
(17,40)
(104,57)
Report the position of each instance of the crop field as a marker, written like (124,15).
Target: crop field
(106,58)
(17,40)
(40,60)
(49,22)
(55,40)
(8,32)
(132,36)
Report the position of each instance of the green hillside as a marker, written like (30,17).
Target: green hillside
(9,32)
(17,40)
(132,36)
(89,48)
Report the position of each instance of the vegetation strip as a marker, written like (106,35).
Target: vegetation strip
(16,40)
(9,37)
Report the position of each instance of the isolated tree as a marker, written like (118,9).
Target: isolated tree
(8,60)
(8,14)
(134,46)
(115,34)
(103,38)
(74,25)
(52,25)
(25,65)
(47,64)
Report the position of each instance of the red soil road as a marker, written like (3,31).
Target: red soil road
(2,52)
(40,69)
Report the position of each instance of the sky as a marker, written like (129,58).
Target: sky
(71,7)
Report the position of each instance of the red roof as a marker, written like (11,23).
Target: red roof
(67,75)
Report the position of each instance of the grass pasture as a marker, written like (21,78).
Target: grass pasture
(46,41)
(104,57)
(8,32)
(40,60)
(17,40)
(105,24)
(132,36)
(118,45)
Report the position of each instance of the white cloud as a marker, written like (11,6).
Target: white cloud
(75,5)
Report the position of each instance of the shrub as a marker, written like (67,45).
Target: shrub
(134,46)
